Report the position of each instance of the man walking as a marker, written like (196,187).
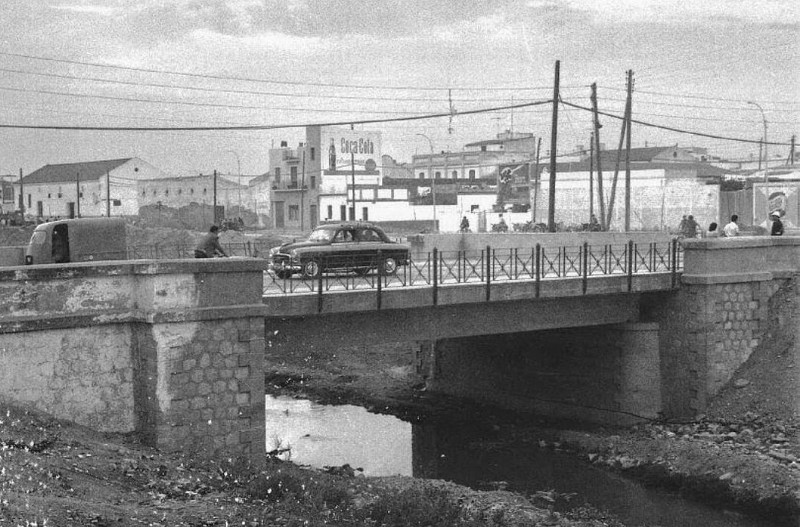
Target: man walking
(777,225)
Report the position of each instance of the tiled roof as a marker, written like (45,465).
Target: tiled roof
(67,172)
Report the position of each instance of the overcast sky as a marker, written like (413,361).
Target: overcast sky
(212,63)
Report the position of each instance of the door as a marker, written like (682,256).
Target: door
(279,220)
(313,214)
(70,209)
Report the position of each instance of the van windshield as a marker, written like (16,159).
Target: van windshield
(38,237)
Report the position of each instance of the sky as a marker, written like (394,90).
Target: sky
(709,74)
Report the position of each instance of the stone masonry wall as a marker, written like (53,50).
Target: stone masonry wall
(64,372)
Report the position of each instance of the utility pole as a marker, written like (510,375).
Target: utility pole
(353,184)
(214,216)
(108,193)
(302,190)
(591,177)
(21,195)
(619,157)
(628,154)
(791,151)
(537,178)
(598,153)
(77,194)
(551,213)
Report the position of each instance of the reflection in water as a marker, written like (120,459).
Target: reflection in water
(463,453)
(334,435)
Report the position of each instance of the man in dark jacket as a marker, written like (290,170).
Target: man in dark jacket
(209,245)
(777,225)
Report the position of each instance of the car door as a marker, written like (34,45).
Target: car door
(369,242)
(343,248)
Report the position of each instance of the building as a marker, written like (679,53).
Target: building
(94,188)
(666,184)
(203,189)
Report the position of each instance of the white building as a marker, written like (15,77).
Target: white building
(95,188)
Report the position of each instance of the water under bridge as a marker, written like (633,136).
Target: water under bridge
(602,329)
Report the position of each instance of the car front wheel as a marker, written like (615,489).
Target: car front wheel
(389,266)
(312,269)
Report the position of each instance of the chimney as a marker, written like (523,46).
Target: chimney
(284,144)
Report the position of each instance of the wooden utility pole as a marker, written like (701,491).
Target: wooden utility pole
(21,195)
(214,216)
(791,152)
(616,167)
(108,193)
(628,154)
(353,183)
(591,177)
(598,154)
(551,212)
(302,190)
(77,194)
(537,179)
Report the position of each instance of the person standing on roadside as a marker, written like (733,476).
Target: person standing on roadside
(690,227)
(712,231)
(731,229)
(209,246)
(777,225)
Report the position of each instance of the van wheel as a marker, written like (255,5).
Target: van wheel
(312,269)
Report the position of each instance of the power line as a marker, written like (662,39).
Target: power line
(265,127)
(678,130)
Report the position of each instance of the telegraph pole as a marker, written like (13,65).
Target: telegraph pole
(108,193)
(77,194)
(353,183)
(551,212)
(214,216)
(21,195)
(597,127)
(537,178)
(628,154)
(791,152)
(591,177)
(302,190)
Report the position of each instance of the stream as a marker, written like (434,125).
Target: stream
(383,445)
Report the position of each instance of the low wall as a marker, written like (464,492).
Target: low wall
(171,350)
(12,256)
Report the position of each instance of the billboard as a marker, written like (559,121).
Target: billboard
(782,198)
(346,151)
(513,184)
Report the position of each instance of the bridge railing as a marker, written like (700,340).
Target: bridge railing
(485,266)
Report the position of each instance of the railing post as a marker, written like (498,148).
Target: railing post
(538,268)
(488,272)
(585,263)
(516,272)
(434,269)
(630,265)
(381,263)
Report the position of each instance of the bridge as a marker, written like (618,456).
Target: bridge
(177,350)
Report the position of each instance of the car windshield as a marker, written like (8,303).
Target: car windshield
(321,235)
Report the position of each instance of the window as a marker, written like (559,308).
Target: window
(313,151)
(313,181)
(330,212)
(205,191)
(191,191)
(117,202)
(438,174)
(48,195)
(166,192)
(343,212)
(472,174)
(294,212)
(293,176)
(455,174)
(422,175)
(365,214)
(277,174)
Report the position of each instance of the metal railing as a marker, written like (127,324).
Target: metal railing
(438,268)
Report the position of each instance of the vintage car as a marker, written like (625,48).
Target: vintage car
(338,247)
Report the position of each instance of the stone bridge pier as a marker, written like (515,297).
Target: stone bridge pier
(171,350)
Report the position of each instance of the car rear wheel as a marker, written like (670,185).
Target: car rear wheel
(362,271)
(283,274)
(312,269)
(389,266)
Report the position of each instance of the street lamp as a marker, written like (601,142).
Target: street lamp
(433,181)
(766,155)
(239,166)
